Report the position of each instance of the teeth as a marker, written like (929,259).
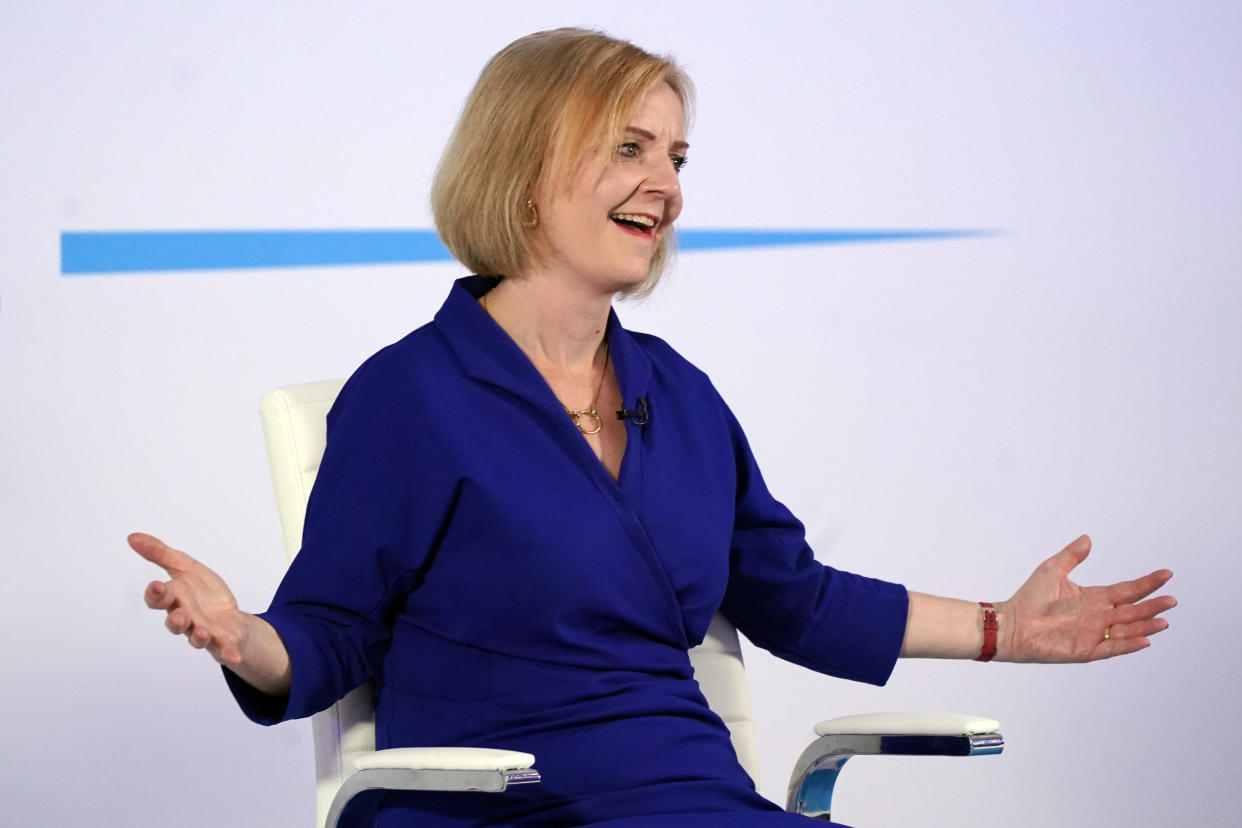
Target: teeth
(645,221)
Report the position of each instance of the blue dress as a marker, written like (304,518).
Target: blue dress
(465,548)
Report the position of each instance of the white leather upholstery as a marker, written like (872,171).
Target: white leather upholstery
(295,429)
(721,675)
(908,724)
(441,758)
(294,424)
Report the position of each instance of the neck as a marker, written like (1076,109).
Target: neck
(556,326)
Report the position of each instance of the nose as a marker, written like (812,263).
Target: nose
(662,178)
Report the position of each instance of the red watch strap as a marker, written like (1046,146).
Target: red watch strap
(990,628)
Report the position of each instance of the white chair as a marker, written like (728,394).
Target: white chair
(346,762)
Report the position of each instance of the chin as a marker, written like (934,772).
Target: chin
(629,282)
(618,276)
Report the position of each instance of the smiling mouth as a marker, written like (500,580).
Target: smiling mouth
(638,224)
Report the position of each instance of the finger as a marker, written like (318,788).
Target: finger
(173,561)
(1138,629)
(225,649)
(1071,556)
(159,596)
(225,653)
(1113,647)
(198,637)
(1144,611)
(177,622)
(1127,592)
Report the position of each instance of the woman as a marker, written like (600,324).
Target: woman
(519,567)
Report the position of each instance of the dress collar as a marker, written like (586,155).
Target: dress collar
(488,354)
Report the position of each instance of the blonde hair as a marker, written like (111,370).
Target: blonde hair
(541,106)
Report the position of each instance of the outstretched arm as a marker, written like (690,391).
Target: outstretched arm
(1049,618)
(200,606)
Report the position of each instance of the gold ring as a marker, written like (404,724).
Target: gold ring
(1107,631)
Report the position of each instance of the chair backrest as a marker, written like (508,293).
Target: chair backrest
(294,426)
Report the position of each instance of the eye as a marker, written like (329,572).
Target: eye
(629,149)
(679,161)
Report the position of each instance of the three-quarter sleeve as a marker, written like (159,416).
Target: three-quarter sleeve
(366,542)
(784,600)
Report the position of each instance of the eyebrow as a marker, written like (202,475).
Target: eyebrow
(679,146)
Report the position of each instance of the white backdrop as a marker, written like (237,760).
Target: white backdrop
(943,413)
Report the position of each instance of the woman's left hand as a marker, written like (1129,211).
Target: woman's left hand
(1052,619)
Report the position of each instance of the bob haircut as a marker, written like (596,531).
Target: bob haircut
(541,107)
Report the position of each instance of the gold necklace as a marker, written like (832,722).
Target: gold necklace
(577,416)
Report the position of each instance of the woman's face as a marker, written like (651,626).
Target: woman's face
(607,225)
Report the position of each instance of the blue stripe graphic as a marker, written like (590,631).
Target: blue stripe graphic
(134,251)
(726,239)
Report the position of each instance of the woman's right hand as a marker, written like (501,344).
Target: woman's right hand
(200,606)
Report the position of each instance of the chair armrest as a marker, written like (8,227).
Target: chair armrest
(433,769)
(894,734)
(925,724)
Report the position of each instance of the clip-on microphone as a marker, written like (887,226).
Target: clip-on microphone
(639,417)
